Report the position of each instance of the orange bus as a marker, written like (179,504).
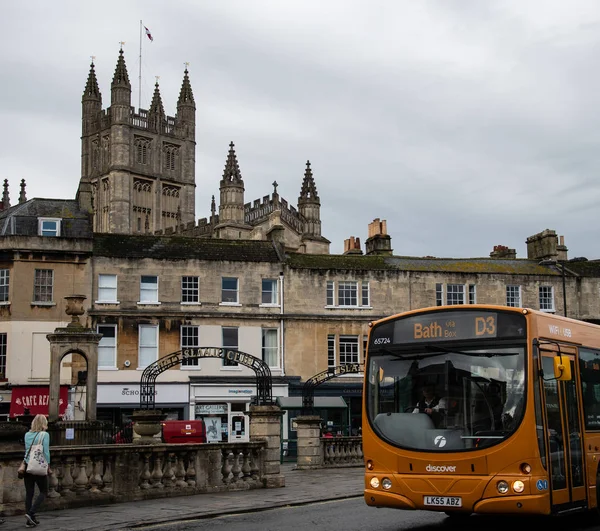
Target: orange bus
(482,409)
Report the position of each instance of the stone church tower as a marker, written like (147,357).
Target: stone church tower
(137,169)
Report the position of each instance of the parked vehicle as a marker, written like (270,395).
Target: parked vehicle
(173,432)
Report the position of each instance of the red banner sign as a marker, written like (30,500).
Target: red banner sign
(36,400)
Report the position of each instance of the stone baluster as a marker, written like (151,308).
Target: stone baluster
(191,469)
(81,482)
(236,470)
(157,473)
(359,452)
(67,488)
(168,474)
(53,482)
(145,476)
(246,471)
(226,467)
(255,463)
(180,472)
(338,453)
(96,477)
(353,454)
(108,477)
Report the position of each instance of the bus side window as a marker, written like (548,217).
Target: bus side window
(589,367)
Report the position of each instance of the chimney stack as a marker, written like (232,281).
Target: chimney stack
(501,252)
(378,242)
(352,246)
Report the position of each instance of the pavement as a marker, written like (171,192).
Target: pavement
(301,487)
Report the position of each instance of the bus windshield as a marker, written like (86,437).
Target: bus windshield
(454,397)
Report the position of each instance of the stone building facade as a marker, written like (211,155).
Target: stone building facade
(257,276)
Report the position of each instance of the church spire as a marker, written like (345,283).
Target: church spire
(231,173)
(308,193)
(120,93)
(5,197)
(22,196)
(186,96)
(156,107)
(91,91)
(121,78)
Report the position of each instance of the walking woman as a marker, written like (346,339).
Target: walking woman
(35,436)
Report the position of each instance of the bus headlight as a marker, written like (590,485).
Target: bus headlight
(518,486)
(375,483)
(526,468)
(502,487)
(386,483)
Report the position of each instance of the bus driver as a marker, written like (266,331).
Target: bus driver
(430,403)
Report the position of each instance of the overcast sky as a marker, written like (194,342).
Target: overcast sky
(464,124)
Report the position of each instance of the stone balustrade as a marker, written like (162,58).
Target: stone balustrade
(120,473)
(341,451)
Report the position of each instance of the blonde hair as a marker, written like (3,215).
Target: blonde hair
(39,423)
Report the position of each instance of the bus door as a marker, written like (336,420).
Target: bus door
(563,435)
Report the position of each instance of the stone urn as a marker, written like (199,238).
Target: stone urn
(147,424)
(11,435)
(75,309)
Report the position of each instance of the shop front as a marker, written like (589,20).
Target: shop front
(5,396)
(116,402)
(34,400)
(224,408)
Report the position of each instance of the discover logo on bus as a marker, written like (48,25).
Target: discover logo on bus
(443,468)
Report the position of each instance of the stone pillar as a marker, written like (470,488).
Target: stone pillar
(75,338)
(310,454)
(265,424)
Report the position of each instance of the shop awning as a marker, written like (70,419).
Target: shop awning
(36,399)
(321,402)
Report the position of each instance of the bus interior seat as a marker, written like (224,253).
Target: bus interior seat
(405,428)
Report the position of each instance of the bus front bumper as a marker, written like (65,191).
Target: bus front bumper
(378,498)
(523,504)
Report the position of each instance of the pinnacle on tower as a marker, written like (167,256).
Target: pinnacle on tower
(309,189)
(22,196)
(156,107)
(121,78)
(231,173)
(91,91)
(5,197)
(186,96)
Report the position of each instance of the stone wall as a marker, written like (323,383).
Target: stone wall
(93,475)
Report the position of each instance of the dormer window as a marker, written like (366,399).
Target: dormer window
(49,227)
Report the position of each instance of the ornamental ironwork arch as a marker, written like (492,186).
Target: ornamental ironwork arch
(308,390)
(264,385)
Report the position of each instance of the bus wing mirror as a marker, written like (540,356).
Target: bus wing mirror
(562,368)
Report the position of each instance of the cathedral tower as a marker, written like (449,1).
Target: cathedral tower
(138,171)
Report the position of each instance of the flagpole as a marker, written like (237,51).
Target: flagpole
(140,74)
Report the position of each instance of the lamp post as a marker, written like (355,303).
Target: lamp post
(564,287)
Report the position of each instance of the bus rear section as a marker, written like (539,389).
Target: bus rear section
(449,418)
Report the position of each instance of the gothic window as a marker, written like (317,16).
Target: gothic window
(170,205)
(103,207)
(95,155)
(142,150)
(142,198)
(171,153)
(105,150)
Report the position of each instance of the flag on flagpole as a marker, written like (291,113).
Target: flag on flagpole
(149,35)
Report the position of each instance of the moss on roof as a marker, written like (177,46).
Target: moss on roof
(407,263)
(337,261)
(175,247)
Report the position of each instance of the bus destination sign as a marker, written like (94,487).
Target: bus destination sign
(449,326)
